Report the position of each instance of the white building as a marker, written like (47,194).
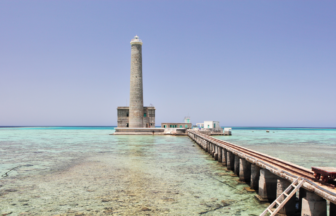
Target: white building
(212,124)
(228,131)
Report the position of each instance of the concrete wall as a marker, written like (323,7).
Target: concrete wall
(173,131)
(212,124)
(139,130)
(123,116)
(148,121)
(212,130)
(178,125)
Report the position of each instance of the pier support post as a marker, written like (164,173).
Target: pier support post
(230,160)
(216,152)
(212,150)
(219,154)
(224,156)
(289,208)
(313,205)
(236,165)
(267,186)
(332,210)
(244,170)
(255,173)
(302,194)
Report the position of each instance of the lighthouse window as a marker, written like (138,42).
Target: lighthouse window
(144,114)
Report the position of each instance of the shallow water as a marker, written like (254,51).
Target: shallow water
(85,170)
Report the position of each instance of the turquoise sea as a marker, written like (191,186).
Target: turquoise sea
(86,171)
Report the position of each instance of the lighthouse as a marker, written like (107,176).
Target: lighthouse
(136,113)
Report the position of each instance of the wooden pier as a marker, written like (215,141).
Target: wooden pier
(270,177)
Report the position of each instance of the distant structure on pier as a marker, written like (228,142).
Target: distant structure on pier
(176,125)
(136,115)
(212,124)
(211,128)
(186,125)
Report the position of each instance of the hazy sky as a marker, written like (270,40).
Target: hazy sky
(243,63)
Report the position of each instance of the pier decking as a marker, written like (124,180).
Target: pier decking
(270,176)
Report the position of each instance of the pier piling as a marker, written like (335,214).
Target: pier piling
(244,170)
(236,165)
(216,153)
(267,186)
(289,208)
(220,154)
(332,210)
(212,150)
(255,174)
(302,194)
(224,156)
(230,160)
(313,205)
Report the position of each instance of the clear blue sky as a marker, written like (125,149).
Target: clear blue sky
(243,63)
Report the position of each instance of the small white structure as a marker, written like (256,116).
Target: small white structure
(212,124)
(227,131)
(200,125)
(187,119)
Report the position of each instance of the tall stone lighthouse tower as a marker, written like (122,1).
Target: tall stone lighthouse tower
(136,115)
(136,94)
